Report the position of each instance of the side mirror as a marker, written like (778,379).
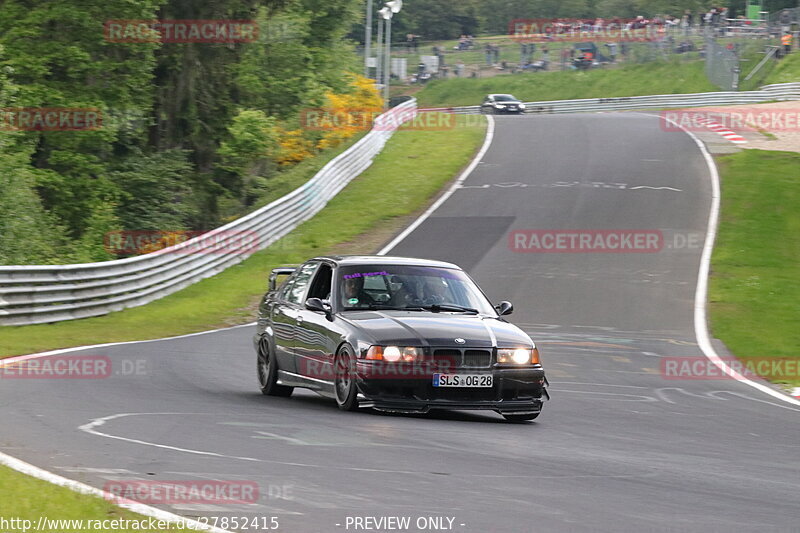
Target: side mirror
(318,305)
(504,308)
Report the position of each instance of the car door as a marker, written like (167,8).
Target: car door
(487,103)
(317,334)
(284,315)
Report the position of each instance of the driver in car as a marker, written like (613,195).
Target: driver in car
(435,292)
(353,294)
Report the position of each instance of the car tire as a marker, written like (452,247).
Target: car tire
(344,383)
(521,418)
(267,369)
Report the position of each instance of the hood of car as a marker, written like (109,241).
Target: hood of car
(509,102)
(409,328)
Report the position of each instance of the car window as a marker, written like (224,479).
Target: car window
(287,285)
(321,286)
(300,282)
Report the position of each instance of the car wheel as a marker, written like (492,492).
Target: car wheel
(521,418)
(344,381)
(268,373)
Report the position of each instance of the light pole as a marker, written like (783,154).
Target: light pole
(379,55)
(393,7)
(368,39)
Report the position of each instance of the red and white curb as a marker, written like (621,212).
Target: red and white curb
(730,135)
(795,392)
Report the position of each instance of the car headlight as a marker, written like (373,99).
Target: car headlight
(521,106)
(518,356)
(500,105)
(393,354)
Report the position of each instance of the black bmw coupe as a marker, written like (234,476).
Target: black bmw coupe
(395,334)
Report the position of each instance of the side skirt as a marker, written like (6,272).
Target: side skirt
(321,387)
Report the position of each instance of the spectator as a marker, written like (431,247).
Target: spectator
(786,42)
(686,22)
(488,52)
(459,68)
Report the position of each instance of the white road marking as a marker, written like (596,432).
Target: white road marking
(656,188)
(87,470)
(701,292)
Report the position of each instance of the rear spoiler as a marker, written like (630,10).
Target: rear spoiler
(283,271)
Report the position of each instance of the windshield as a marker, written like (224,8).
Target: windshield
(504,98)
(404,286)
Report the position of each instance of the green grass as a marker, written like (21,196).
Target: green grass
(26,498)
(627,80)
(787,70)
(754,292)
(413,167)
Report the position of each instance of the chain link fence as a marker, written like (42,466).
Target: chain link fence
(722,65)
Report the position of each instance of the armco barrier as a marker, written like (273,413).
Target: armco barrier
(44,293)
(780,91)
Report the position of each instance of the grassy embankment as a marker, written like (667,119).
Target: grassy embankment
(754,292)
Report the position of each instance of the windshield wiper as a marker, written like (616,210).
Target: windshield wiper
(436,308)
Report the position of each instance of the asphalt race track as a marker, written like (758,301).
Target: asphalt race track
(619,448)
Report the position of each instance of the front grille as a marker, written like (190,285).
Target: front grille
(457,358)
(477,358)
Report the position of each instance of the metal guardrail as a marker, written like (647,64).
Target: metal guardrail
(52,293)
(780,91)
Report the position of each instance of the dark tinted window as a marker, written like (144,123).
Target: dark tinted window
(321,286)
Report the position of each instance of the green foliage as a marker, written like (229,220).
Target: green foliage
(249,152)
(173,151)
(155,193)
(27,232)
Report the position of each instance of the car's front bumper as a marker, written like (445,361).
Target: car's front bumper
(508,110)
(514,390)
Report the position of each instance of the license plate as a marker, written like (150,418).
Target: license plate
(463,380)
